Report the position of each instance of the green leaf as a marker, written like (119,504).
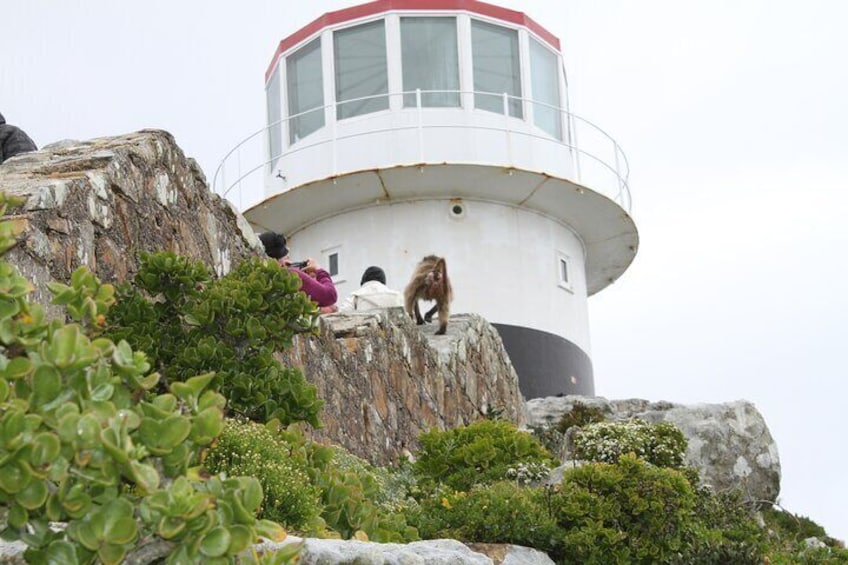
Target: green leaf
(216,542)
(18,516)
(61,552)
(145,476)
(207,425)
(46,384)
(170,527)
(120,530)
(240,538)
(270,530)
(33,496)
(252,494)
(13,478)
(17,368)
(111,554)
(9,307)
(61,350)
(45,448)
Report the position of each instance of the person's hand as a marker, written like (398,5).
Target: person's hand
(311,267)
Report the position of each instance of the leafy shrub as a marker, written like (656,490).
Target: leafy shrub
(250,449)
(627,512)
(788,546)
(190,324)
(724,529)
(85,441)
(310,487)
(480,453)
(356,501)
(579,416)
(661,444)
(502,512)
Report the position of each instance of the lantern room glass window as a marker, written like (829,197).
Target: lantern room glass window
(430,61)
(274,115)
(496,67)
(545,85)
(305,91)
(361,70)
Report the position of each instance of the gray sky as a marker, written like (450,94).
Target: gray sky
(732,115)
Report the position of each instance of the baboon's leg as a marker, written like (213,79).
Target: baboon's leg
(418,319)
(444,313)
(428,317)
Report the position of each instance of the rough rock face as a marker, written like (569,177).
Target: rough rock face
(385,380)
(341,552)
(729,443)
(98,203)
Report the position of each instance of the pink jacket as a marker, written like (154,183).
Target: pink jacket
(320,289)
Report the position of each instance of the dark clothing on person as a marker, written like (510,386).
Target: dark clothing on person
(13,141)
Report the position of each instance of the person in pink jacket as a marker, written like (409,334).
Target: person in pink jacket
(315,281)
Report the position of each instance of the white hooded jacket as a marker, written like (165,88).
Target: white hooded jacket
(371,296)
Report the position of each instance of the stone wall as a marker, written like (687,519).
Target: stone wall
(385,380)
(98,203)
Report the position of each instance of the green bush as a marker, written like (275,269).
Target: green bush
(725,529)
(627,512)
(190,324)
(356,500)
(787,543)
(661,444)
(579,416)
(84,440)
(481,453)
(250,449)
(502,512)
(312,488)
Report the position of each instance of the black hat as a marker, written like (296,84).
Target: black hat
(373,274)
(275,244)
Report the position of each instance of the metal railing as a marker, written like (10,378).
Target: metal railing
(600,153)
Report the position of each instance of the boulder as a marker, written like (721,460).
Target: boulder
(729,443)
(99,203)
(386,380)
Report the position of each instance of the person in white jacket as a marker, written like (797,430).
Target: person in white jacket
(373,294)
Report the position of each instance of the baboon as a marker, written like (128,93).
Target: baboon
(429,282)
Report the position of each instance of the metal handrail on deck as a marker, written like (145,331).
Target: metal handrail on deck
(619,167)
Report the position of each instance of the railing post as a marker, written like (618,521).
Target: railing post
(506,127)
(618,174)
(334,138)
(420,125)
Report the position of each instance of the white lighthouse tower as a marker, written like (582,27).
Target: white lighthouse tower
(402,128)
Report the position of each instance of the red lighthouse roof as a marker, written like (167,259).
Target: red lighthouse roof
(380,6)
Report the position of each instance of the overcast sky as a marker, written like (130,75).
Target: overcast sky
(734,118)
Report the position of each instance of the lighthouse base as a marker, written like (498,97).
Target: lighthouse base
(547,364)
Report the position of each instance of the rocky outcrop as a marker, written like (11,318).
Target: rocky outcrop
(99,203)
(386,380)
(730,443)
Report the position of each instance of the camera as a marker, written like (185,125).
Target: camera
(298,264)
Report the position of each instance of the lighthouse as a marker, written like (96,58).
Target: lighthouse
(403,128)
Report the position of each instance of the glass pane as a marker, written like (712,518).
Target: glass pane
(361,71)
(274,113)
(496,67)
(545,83)
(430,60)
(334,264)
(305,91)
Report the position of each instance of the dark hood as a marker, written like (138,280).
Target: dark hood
(2,120)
